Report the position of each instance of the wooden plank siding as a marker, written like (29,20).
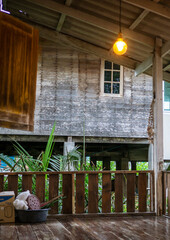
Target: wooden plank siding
(142,185)
(53,191)
(118,192)
(131,184)
(80,193)
(68,92)
(106,193)
(93,193)
(67,192)
(40,187)
(13,183)
(27,183)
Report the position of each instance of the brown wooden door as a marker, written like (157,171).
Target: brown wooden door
(18,70)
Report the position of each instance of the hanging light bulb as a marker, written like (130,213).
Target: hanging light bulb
(120,46)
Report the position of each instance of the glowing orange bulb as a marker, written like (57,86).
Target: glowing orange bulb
(120,46)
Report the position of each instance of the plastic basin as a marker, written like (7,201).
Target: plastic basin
(32,216)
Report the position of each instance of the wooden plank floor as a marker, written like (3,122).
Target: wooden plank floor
(90,229)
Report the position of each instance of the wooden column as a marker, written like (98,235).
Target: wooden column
(106,163)
(158,124)
(133,165)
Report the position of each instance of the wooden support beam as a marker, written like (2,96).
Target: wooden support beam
(147,63)
(95,21)
(166,76)
(167,67)
(142,67)
(151,6)
(62,17)
(158,123)
(165,49)
(140,18)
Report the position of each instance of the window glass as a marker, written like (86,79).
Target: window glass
(107,76)
(116,88)
(116,66)
(107,88)
(108,65)
(116,76)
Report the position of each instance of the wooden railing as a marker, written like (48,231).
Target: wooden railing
(166,193)
(88,191)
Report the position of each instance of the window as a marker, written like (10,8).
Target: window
(166,96)
(111,79)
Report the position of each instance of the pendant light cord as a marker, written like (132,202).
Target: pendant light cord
(120,16)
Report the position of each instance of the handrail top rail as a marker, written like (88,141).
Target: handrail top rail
(76,172)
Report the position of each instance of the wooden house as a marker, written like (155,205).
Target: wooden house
(91,92)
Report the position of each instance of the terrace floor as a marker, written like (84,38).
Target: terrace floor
(90,229)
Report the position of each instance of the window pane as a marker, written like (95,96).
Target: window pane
(116,88)
(116,66)
(108,65)
(107,76)
(116,76)
(107,88)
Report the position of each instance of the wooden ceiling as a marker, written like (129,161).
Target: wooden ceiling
(92,26)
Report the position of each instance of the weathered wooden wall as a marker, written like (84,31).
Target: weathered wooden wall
(68,92)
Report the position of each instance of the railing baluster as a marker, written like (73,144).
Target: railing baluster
(131,183)
(164,193)
(168,175)
(40,187)
(93,193)
(80,193)
(150,187)
(106,192)
(27,183)
(1,183)
(13,183)
(153,190)
(67,192)
(118,192)
(142,185)
(53,190)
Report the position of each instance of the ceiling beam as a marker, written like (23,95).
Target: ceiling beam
(82,46)
(165,49)
(95,21)
(147,63)
(166,76)
(62,17)
(151,6)
(167,67)
(142,67)
(140,17)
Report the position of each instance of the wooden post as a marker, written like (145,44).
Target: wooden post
(158,124)
(106,163)
(133,164)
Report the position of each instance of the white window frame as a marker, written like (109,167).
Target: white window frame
(102,70)
(165,110)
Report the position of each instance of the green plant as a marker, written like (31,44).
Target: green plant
(168,168)
(25,162)
(72,158)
